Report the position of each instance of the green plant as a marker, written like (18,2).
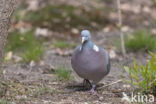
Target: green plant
(5,102)
(63,74)
(143,77)
(141,41)
(33,54)
(63,44)
(154,3)
(42,91)
(26,44)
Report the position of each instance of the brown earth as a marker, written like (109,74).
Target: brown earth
(36,83)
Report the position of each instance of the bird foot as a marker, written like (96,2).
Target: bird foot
(93,92)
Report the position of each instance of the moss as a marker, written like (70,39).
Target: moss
(63,44)
(42,91)
(33,54)
(19,12)
(141,41)
(3,101)
(29,47)
(63,74)
(3,89)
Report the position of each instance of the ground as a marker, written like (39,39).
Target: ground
(37,83)
(40,76)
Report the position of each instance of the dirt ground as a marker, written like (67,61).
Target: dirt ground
(69,92)
(36,83)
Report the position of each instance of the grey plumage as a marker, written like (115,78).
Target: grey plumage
(90,61)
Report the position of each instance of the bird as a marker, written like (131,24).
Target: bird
(89,61)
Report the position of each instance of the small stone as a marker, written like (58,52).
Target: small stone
(33,5)
(59,51)
(42,32)
(32,63)
(106,29)
(9,56)
(146,9)
(125,29)
(17,58)
(100,98)
(42,63)
(4,72)
(21,97)
(94,24)
(75,31)
(112,54)
(96,102)
(54,83)
(153,31)
(126,86)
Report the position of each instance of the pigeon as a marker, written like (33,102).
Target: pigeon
(90,62)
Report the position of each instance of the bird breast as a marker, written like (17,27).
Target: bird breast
(90,64)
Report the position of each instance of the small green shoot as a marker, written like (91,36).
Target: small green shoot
(42,91)
(143,77)
(33,54)
(63,74)
(63,44)
(2,101)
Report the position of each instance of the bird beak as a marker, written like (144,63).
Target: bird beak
(83,39)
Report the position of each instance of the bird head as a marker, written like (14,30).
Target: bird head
(85,36)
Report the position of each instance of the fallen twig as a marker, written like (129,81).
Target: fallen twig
(111,84)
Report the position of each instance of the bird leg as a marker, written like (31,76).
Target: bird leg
(86,83)
(92,91)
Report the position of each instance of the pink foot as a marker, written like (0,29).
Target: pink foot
(93,92)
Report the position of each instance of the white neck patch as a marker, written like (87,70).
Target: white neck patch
(95,48)
(80,48)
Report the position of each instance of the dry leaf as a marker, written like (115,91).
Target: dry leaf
(33,5)
(75,31)
(112,54)
(32,63)
(125,28)
(9,56)
(106,29)
(59,51)
(42,32)
(153,31)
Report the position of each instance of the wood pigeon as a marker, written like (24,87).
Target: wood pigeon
(90,61)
